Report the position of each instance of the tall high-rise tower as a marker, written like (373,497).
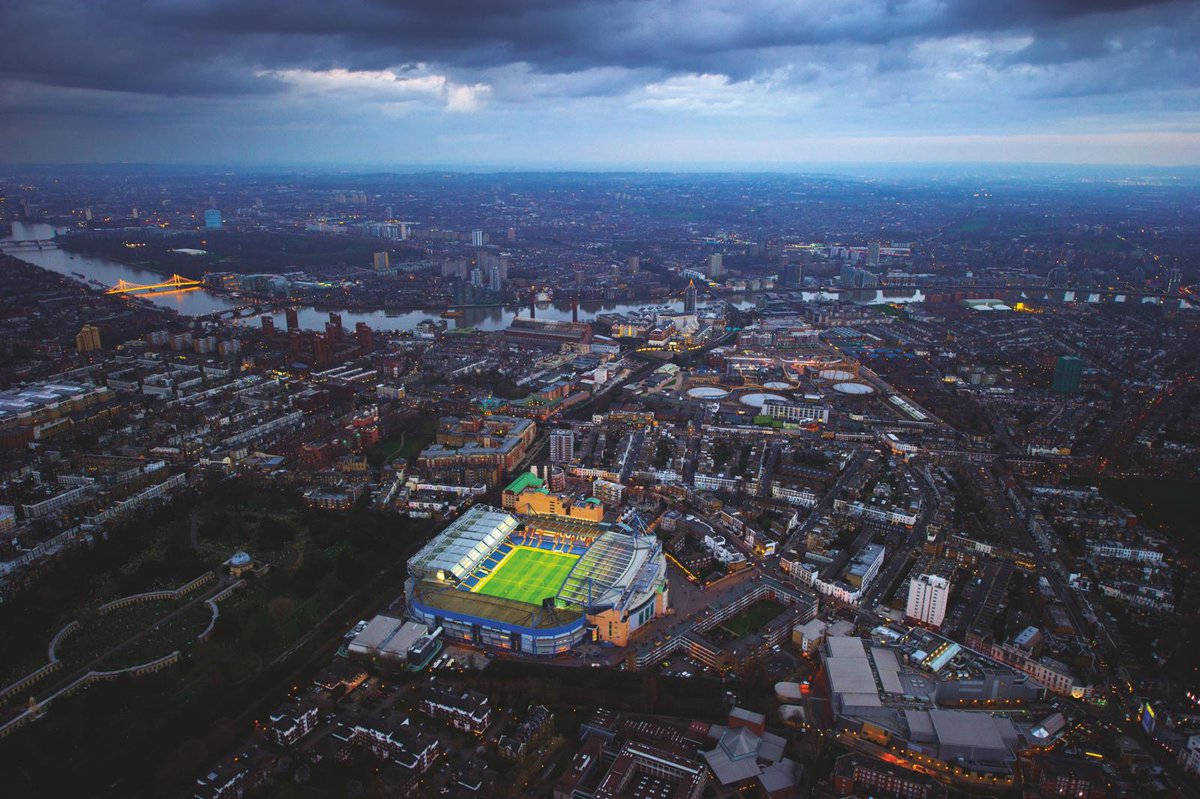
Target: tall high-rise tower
(1068,371)
(87,339)
(562,446)
(689,298)
(716,265)
(927,597)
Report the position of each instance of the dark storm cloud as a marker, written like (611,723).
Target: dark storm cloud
(556,80)
(216,47)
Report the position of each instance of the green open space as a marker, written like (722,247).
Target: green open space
(972,224)
(528,575)
(752,618)
(99,633)
(177,633)
(402,447)
(405,443)
(150,736)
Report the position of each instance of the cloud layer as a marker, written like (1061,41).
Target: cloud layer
(596,82)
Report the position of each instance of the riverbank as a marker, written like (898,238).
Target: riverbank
(43,341)
(379,311)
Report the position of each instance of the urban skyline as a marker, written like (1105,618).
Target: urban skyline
(599,399)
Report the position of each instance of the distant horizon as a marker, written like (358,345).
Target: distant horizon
(634,168)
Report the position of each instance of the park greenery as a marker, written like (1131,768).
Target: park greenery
(150,735)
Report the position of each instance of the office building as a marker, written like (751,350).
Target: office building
(548,332)
(333,328)
(562,446)
(873,254)
(381,261)
(1067,373)
(476,238)
(212,219)
(927,597)
(223,281)
(364,336)
(88,339)
(321,350)
(634,262)
(689,298)
(478,448)
(1189,755)
(389,230)
(1174,280)
(293,319)
(462,709)
(716,266)
(796,412)
(857,775)
(608,492)
(540,502)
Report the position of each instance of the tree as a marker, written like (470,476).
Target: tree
(187,759)
(280,609)
(221,734)
(273,533)
(650,692)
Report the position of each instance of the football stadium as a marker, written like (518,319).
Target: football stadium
(536,588)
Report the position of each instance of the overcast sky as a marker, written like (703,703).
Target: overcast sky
(545,83)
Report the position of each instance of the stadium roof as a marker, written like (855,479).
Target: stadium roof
(459,548)
(604,570)
(509,612)
(559,524)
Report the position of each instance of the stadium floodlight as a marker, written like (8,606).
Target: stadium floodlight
(633,523)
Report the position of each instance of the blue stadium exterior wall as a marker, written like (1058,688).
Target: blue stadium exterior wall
(491,634)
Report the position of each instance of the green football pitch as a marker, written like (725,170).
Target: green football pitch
(528,575)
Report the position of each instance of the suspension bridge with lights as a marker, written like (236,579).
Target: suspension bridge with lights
(172,285)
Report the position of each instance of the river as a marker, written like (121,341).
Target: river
(202,302)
